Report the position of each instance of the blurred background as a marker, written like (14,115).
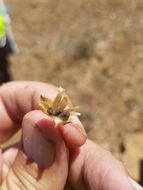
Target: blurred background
(93,49)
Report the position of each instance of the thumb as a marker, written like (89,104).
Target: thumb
(42,161)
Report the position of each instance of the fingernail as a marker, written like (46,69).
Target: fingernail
(135,184)
(78,128)
(37,145)
(73,135)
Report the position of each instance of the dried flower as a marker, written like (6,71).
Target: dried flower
(58,108)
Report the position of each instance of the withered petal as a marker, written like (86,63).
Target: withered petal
(72,109)
(57,100)
(43,108)
(46,101)
(63,103)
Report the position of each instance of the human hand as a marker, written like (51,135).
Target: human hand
(42,161)
(93,168)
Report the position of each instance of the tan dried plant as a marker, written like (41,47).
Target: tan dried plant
(58,108)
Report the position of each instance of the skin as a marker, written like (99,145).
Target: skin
(47,157)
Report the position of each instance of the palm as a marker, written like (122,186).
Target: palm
(7,157)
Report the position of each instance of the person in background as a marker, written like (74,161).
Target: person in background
(7,42)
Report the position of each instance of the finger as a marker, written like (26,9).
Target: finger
(18,98)
(73,134)
(94,168)
(68,187)
(42,159)
(135,184)
(1,162)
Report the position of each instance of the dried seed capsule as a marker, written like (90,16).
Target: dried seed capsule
(50,111)
(58,112)
(58,109)
(64,115)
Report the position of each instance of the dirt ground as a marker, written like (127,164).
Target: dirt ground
(93,49)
